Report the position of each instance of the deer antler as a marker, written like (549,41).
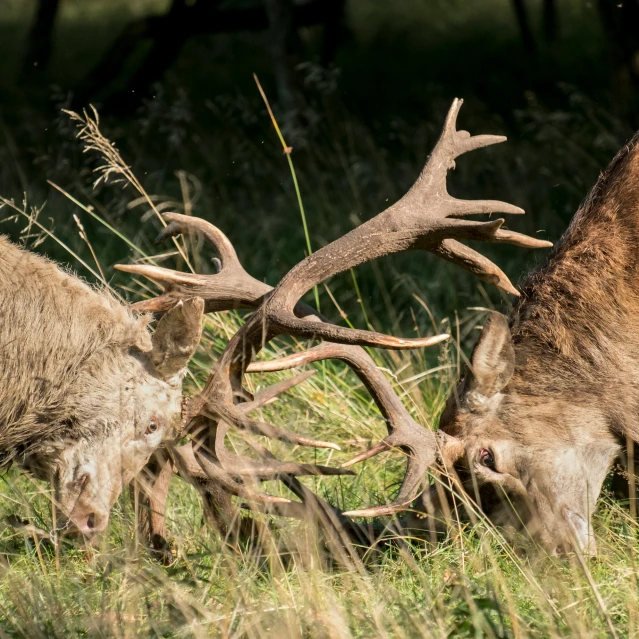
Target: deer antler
(404,432)
(427,217)
(231,287)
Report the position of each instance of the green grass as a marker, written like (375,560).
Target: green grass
(472,584)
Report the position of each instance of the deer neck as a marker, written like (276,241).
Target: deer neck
(576,325)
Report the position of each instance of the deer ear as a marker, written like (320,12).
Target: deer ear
(493,360)
(177,336)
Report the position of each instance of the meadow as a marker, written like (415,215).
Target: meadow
(207,147)
(473,583)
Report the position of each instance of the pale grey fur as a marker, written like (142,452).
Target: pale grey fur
(55,331)
(81,400)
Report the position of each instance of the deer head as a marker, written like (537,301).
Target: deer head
(535,462)
(89,395)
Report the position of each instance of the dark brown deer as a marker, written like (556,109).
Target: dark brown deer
(426,218)
(549,399)
(550,393)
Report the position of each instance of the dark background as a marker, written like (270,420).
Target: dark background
(360,89)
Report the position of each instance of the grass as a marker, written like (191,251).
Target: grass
(472,584)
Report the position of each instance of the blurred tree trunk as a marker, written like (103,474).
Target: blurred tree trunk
(40,39)
(550,20)
(620,20)
(284,45)
(168,33)
(333,30)
(527,38)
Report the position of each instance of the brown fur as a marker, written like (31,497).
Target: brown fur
(579,311)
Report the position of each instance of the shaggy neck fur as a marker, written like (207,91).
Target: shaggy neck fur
(576,325)
(57,335)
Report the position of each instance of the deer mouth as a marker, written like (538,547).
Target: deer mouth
(581,533)
(91,523)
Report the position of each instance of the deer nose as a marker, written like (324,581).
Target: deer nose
(91,523)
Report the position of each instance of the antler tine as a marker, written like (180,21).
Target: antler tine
(237,414)
(238,419)
(475,263)
(271,393)
(464,141)
(231,287)
(178,224)
(238,466)
(333,520)
(197,464)
(459,208)
(341,533)
(424,455)
(225,409)
(482,267)
(232,467)
(224,468)
(342,335)
(518,239)
(271,468)
(314,354)
(405,434)
(219,475)
(415,480)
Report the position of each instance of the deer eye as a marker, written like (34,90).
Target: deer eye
(486,458)
(152,426)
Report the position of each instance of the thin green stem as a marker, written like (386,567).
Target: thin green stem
(360,300)
(288,151)
(102,221)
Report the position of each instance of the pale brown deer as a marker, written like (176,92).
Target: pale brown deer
(86,392)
